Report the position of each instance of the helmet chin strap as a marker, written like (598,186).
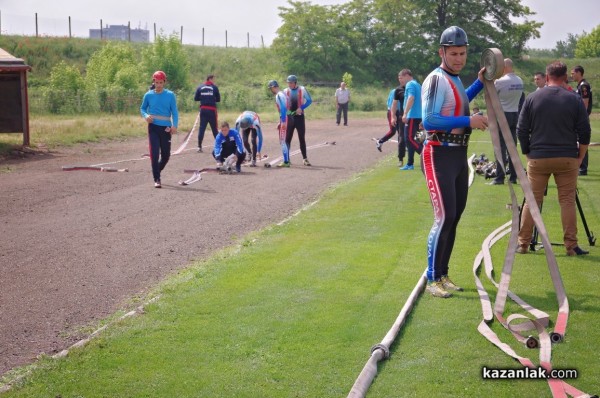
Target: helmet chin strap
(445,63)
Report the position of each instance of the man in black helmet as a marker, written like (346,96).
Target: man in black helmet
(445,110)
(297,100)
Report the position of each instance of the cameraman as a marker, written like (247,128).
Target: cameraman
(554,132)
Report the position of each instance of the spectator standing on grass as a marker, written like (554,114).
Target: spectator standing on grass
(249,124)
(208,95)
(510,93)
(445,105)
(554,132)
(411,117)
(539,78)
(585,91)
(228,142)
(159,109)
(342,99)
(280,103)
(297,100)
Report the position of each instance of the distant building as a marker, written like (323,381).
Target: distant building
(121,32)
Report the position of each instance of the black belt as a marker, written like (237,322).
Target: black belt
(458,139)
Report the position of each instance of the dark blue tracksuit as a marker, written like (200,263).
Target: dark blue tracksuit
(208,95)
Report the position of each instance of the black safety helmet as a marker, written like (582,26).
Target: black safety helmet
(273,83)
(454,37)
(292,79)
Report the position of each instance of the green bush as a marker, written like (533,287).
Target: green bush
(167,54)
(113,60)
(64,93)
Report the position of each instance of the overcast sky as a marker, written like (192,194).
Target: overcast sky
(258,18)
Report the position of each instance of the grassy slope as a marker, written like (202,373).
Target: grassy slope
(293,310)
(241,75)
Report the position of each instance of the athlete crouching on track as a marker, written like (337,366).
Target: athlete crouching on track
(159,109)
(249,124)
(445,107)
(229,142)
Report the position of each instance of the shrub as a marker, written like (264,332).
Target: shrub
(167,54)
(64,93)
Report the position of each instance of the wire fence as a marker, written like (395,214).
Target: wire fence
(39,26)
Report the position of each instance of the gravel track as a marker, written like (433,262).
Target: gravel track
(77,246)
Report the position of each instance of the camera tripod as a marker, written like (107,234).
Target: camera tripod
(534,239)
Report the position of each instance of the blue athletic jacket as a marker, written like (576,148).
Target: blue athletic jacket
(232,136)
(163,106)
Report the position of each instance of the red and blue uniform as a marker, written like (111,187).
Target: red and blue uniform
(445,111)
(296,98)
(281,103)
(251,119)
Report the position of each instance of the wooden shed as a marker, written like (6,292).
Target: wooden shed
(14,104)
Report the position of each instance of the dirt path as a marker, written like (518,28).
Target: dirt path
(77,246)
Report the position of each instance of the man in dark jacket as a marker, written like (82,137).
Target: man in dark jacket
(208,95)
(554,132)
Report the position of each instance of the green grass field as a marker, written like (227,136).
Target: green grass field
(293,310)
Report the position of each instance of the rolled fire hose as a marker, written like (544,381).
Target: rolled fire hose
(382,350)
(493,61)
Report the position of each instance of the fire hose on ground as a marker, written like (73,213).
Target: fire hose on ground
(519,325)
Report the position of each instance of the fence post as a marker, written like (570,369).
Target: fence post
(181,35)
(155,32)
(101,33)
(225,38)
(36,25)
(248,36)
(129,31)
(202,37)
(70,27)
(262,41)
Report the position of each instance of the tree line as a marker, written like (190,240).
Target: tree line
(368,39)
(373,39)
